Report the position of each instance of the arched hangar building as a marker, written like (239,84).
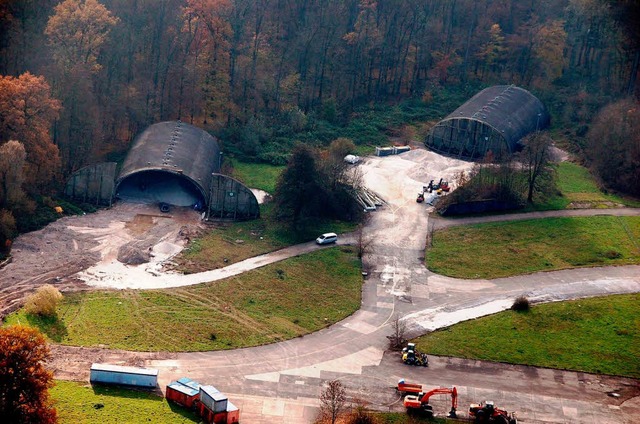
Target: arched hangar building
(170,163)
(493,120)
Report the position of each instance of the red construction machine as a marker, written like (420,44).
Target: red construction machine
(408,388)
(487,412)
(420,402)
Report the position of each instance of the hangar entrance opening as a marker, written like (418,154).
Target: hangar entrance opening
(160,187)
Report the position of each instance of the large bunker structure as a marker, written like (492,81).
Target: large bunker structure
(170,163)
(494,120)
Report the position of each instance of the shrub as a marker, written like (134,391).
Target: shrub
(359,415)
(521,304)
(44,301)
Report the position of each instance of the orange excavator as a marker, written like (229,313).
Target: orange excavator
(420,402)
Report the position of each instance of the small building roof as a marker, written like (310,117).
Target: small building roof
(123,369)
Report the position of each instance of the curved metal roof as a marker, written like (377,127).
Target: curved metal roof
(175,147)
(505,110)
(510,110)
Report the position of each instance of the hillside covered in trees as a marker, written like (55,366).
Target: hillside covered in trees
(80,78)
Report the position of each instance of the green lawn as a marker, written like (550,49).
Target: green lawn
(228,243)
(81,403)
(578,189)
(510,248)
(277,302)
(597,335)
(257,175)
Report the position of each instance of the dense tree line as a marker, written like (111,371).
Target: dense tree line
(264,73)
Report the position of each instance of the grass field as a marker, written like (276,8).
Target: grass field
(597,335)
(81,403)
(578,189)
(510,248)
(257,175)
(233,242)
(281,301)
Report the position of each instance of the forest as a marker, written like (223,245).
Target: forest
(80,78)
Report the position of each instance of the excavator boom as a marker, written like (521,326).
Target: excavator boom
(421,401)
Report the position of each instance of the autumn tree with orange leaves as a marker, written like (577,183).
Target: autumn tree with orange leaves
(24,380)
(27,113)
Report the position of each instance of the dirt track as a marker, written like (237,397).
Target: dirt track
(55,254)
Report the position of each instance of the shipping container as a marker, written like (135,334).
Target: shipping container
(205,413)
(129,376)
(384,151)
(206,396)
(184,392)
(220,402)
(233,414)
(220,417)
(211,417)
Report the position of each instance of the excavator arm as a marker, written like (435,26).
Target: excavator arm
(422,401)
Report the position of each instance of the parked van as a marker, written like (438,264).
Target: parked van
(327,238)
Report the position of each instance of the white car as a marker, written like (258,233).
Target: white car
(327,238)
(352,159)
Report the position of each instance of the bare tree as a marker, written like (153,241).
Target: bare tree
(535,159)
(397,339)
(332,400)
(363,240)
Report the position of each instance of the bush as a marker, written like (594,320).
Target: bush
(44,301)
(521,304)
(359,415)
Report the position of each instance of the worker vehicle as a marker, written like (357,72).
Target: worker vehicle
(420,402)
(487,412)
(411,356)
(408,388)
(439,188)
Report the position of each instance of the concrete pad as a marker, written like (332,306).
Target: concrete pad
(273,407)
(420,290)
(360,327)
(294,413)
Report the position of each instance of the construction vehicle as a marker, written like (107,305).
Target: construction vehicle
(420,402)
(411,356)
(487,412)
(439,188)
(408,388)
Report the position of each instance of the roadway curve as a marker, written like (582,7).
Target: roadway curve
(280,383)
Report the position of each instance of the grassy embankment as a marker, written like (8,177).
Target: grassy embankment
(597,335)
(78,403)
(257,175)
(579,190)
(509,248)
(280,301)
(503,249)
